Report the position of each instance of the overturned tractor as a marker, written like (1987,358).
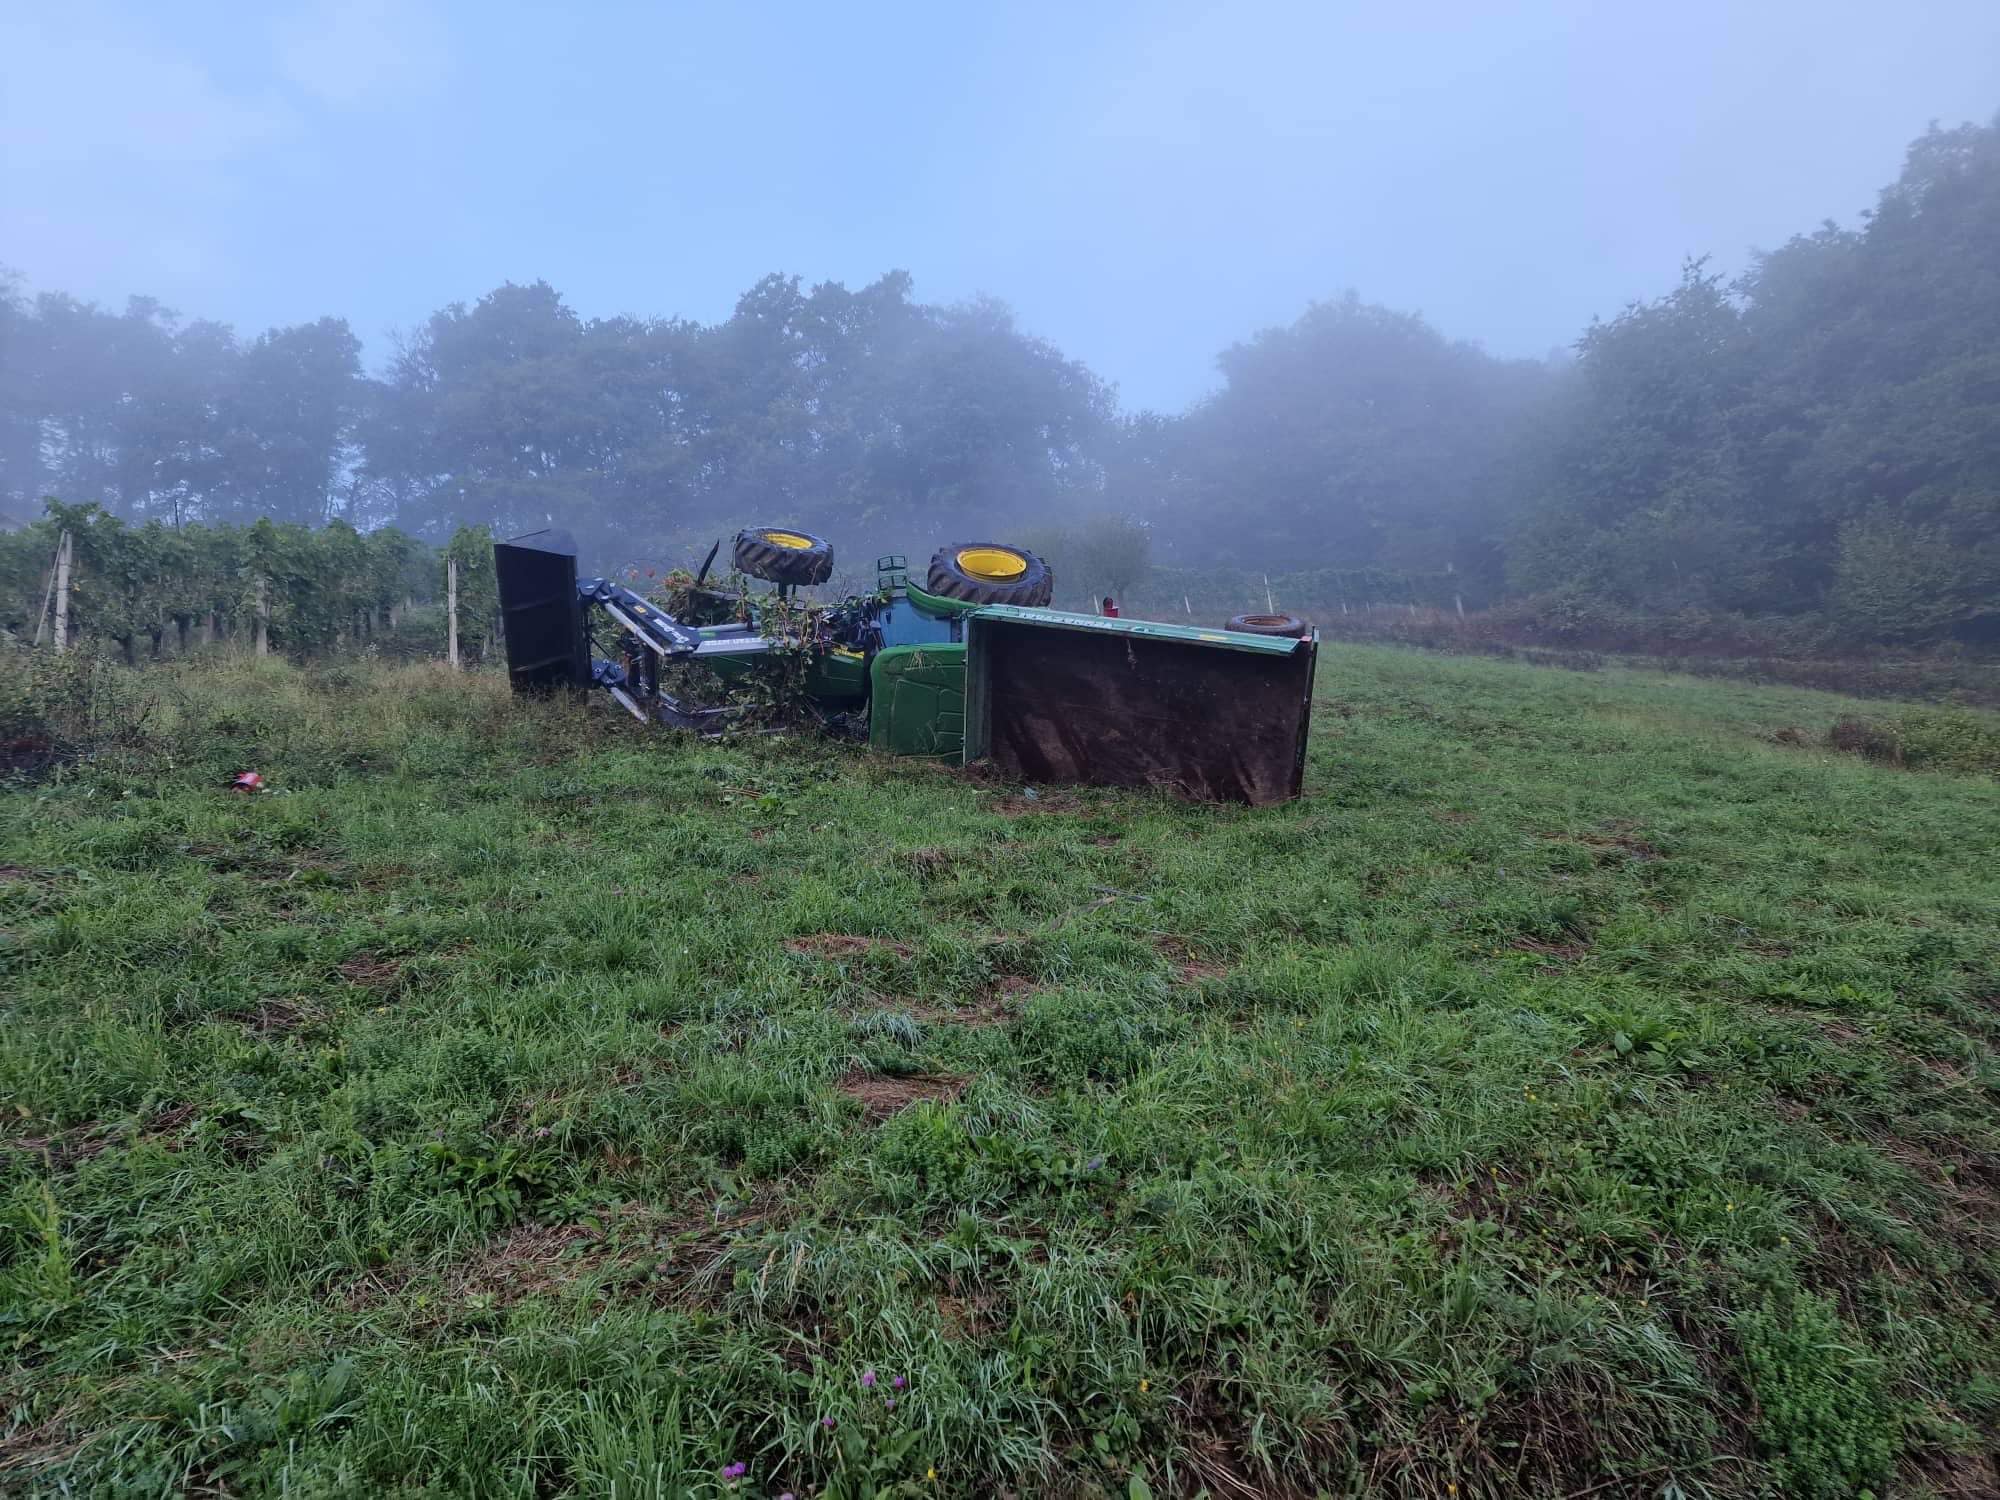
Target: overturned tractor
(971,667)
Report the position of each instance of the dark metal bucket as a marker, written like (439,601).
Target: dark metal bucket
(1213,715)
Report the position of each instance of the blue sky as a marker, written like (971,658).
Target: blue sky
(1143,183)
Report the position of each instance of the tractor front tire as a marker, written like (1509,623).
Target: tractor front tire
(778,554)
(1285,625)
(990,573)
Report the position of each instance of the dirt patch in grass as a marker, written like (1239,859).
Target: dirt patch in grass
(970,1315)
(272,867)
(1613,839)
(990,1009)
(1630,846)
(371,971)
(64,1149)
(1946,1071)
(1221,1447)
(929,863)
(1556,953)
(802,1335)
(169,1121)
(1567,1434)
(11,873)
(1487,1196)
(1953,1476)
(1025,803)
(844,945)
(28,1450)
(666,1255)
(534,1260)
(1188,969)
(1831,1027)
(881,1096)
(1844,1261)
(996,1004)
(374,1286)
(276,1017)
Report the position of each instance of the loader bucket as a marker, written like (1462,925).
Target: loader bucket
(1212,715)
(540,614)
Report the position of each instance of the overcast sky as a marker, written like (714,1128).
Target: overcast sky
(1145,183)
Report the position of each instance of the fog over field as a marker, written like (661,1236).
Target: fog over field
(1560,306)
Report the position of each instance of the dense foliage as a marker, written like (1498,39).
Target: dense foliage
(1823,434)
(1818,439)
(133,584)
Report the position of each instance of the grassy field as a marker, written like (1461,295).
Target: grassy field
(1577,1093)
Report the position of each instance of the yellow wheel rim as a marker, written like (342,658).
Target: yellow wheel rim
(790,540)
(994,564)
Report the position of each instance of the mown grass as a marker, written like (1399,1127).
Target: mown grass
(1577,1092)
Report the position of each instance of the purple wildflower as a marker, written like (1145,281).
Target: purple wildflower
(541,1132)
(900,1381)
(867,1380)
(889,1402)
(734,1472)
(827,1423)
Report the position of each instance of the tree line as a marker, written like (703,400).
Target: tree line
(1818,438)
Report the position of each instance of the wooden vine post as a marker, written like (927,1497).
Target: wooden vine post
(63,549)
(58,579)
(451,609)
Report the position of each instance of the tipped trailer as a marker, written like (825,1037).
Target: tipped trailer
(970,668)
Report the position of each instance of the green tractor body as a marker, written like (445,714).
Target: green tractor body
(1037,694)
(917,702)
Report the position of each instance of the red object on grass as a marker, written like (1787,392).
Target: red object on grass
(248,781)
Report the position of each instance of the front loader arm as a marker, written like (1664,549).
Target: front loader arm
(549,613)
(656,630)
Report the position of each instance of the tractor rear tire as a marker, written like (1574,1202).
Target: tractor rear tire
(1284,625)
(990,573)
(778,554)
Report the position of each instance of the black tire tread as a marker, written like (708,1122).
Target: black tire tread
(788,565)
(1033,589)
(1290,626)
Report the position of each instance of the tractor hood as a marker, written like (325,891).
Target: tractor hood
(1214,715)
